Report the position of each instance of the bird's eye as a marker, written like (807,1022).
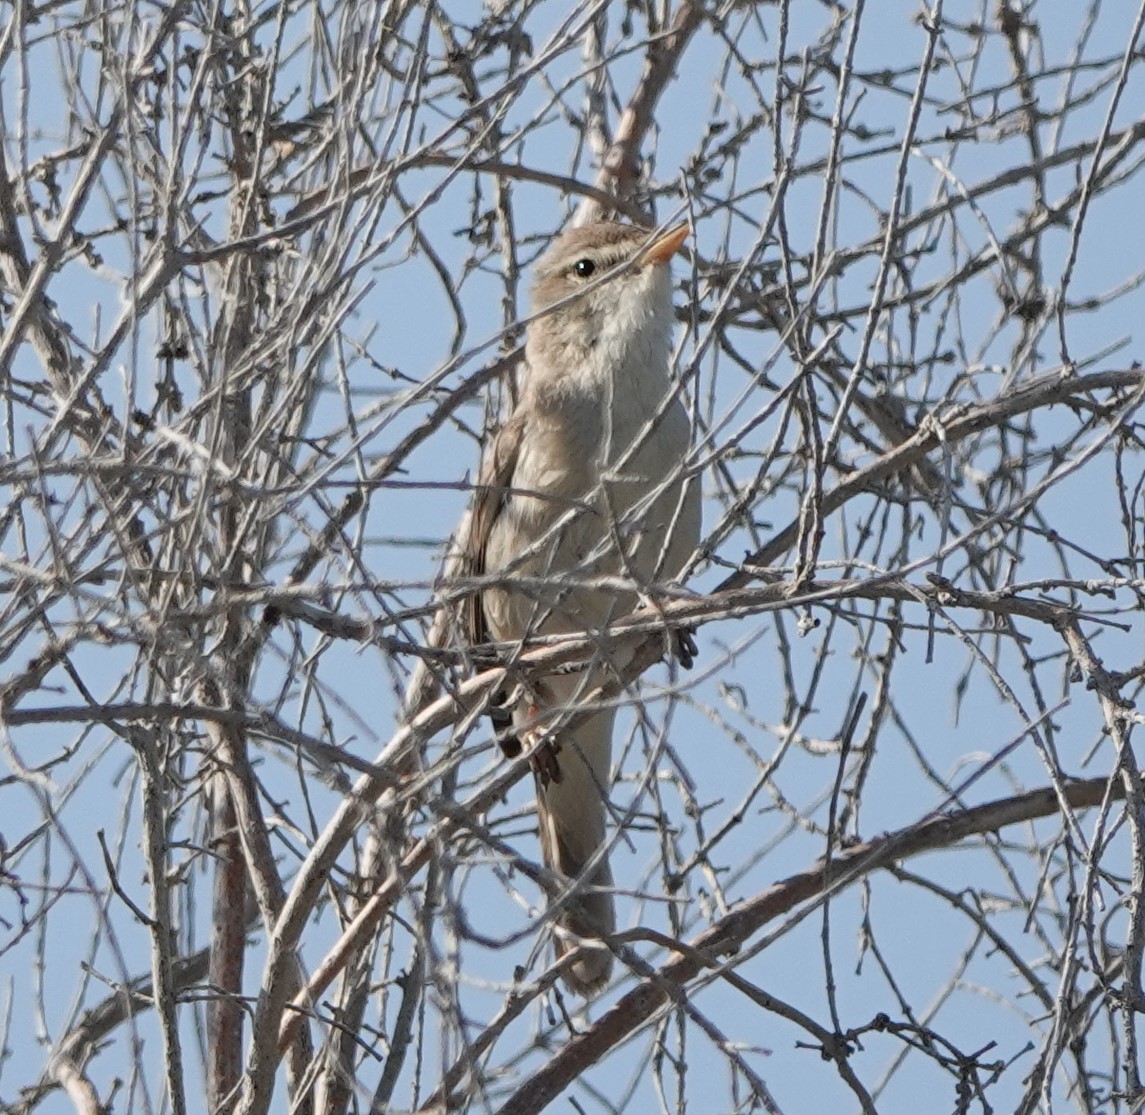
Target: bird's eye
(584,268)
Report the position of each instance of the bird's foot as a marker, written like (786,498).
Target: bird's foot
(543,749)
(681,639)
(683,646)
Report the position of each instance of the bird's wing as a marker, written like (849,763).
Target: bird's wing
(494,486)
(571,770)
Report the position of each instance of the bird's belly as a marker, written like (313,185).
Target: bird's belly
(619,523)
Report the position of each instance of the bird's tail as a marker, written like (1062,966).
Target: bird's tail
(571,811)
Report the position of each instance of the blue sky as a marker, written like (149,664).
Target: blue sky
(726,720)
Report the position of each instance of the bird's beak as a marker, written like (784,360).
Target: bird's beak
(663,248)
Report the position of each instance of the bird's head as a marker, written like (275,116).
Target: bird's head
(610,289)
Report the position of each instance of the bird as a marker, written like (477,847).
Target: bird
(583,502)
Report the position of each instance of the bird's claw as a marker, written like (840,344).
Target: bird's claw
(543,759)
(683,646)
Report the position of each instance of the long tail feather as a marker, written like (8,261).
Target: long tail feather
(571,810)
